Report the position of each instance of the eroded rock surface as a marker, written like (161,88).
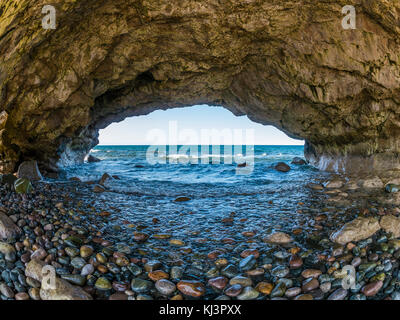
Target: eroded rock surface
(29,170)
(8,229)
(278,238)
(286,63)
(391,224)
(63,290)
(356,230)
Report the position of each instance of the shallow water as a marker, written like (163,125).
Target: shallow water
(261,202)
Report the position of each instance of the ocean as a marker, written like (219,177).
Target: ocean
(130,163)
(217,180)
(266,199)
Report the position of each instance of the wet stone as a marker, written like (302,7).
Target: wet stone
(73,241)
(34,293)
(282,167)
(86,251)
(118,296)
(372,288)
(280,271)
(21,296)
(212,273)
(191,288)
(278,238)
(311,273)
(292,292)
(78,262)
(144,297)
(135,269)
(247,263)
(310,284)
(33,282)
(74,279)
(230,271)
(6,291)
(103,283)
(295,262)
(176,272)
(165,287)
(339,294)
(281,255)
(248,293)
(279,290)
(141,286)
(264,287)
(121,286)
(304,297)
(158,275)
(243,281)
(356,262)
(152,265)
(234,290)
(218,283)
(325,287)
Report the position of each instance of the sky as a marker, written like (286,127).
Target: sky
(192,125)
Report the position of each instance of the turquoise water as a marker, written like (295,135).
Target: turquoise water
(263,200)
(202,181)
(138,176)
(130,164)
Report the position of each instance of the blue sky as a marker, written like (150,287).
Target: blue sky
(136,130)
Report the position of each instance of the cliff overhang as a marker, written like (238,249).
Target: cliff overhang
(290,64)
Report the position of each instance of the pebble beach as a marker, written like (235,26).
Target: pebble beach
(79,229)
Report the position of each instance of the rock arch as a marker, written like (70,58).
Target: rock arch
(286,63)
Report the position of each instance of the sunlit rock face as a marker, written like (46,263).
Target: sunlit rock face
(286,63)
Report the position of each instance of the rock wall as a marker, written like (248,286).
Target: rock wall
(286,63)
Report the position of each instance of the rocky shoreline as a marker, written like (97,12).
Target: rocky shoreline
(58,224)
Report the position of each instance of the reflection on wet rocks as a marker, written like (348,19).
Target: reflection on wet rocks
(265,249)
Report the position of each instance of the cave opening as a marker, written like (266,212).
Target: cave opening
(193,135)
(138,130)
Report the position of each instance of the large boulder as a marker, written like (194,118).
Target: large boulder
(29,170)
(356,230)
(98,189)
(23,186)
(391,224)
(278,238)
(8,250)
(63,289)
(92,159)
(372,183)
(282,167)
(334,184)
(299,161)
(104,178)
(8,229)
